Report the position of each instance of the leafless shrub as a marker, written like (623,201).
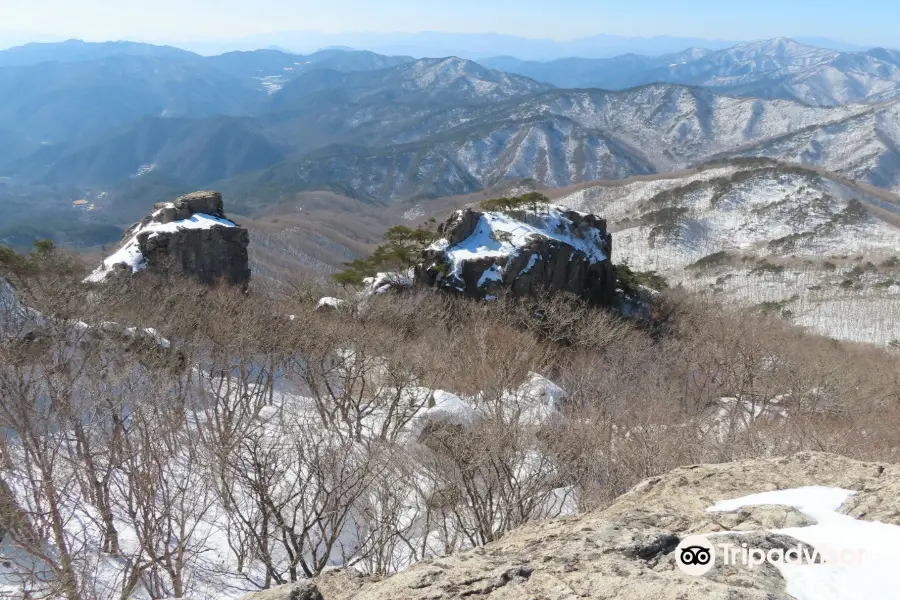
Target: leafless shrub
(290,434)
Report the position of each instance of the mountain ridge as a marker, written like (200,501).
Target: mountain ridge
(776,68)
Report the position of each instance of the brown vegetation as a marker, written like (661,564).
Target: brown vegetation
(264,421)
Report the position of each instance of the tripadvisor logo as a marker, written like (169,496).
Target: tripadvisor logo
(696,555)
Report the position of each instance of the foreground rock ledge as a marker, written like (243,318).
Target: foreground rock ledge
(625,551)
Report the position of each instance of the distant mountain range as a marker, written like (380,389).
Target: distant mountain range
(779,68)
(266,125)
(477,46)
(562,137)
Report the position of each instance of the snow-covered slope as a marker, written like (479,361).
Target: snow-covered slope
(819,250)
(563,137)
(456,75)
(782,68)
(435,81)
(214,570)
(776,68)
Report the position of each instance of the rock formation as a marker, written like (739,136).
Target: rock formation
(190,235)
(524,252)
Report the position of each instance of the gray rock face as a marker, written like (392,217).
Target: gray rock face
(208,255)
(566,251)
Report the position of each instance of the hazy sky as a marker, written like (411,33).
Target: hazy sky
(860,21)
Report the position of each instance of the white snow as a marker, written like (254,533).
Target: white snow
(537,400)
(130,254)
(501,236)
(877,545)
(271,83)
(791,219)
(448,409)
(811,501)
(384,282)
(328,301)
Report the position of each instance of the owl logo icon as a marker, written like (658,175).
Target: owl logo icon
(695,555)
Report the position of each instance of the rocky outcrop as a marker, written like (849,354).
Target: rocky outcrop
(16,319)
(628,551)
(191,236)
(523,252)
(209,203)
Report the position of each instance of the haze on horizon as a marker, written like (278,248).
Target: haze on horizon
(864,22)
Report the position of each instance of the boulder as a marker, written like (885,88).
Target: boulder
(329,304)
(523,252)
(205,202)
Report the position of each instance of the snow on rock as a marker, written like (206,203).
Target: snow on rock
(329,303)
(813,501)
(191,231)
(537,400)
(385,282)
(870,573)
(448,409)
(130,253)
(546,248)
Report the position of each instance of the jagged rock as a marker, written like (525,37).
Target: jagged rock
(16,319)
(303,590)
(525,252)
(191,236)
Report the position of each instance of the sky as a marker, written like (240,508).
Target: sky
(867,22)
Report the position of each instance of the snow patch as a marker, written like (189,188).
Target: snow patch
(876,577)
(502,236)
(329,302)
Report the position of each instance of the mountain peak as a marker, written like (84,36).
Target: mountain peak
(778,47)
